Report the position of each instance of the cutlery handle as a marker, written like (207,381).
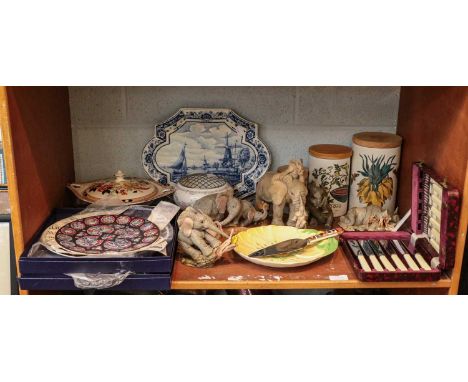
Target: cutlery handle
(398,262)
(424,265)
(388,266)
(324,235)
(363,262)
(375,263)
(411,262)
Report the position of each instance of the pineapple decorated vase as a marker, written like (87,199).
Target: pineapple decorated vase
(374,169)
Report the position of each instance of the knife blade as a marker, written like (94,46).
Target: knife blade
(286,247)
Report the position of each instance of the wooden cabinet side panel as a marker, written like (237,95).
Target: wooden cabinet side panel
(41,140)
(433,122)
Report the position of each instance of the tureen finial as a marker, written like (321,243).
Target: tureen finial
(119,176)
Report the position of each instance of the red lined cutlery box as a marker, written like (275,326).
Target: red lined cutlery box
(435,209)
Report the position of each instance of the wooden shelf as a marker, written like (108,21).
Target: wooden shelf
(38,148)
(233,272)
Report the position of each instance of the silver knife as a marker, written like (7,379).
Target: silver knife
(402,250)
(381,254)
(354,245)
(285,248)
(371,255)
(389,248)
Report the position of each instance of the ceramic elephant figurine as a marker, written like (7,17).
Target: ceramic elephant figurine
(370,218)
(320,210)
(246,215)
(216,206)
(197,238)
(283,188)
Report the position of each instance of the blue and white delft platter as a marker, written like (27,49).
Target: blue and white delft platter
(211,141)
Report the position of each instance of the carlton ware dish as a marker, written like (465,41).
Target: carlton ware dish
(210,141)
(103,233)
(193,187)
(125,189)
(250,241)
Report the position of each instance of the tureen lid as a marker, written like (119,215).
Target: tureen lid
(130,190)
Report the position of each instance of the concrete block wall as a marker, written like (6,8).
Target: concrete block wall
(111,125)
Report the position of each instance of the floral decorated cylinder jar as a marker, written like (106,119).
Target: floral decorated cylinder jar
(329,167)
(374,168)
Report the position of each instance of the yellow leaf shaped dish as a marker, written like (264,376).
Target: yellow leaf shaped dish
(253,239)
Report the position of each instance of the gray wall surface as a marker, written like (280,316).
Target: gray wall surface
(111,125)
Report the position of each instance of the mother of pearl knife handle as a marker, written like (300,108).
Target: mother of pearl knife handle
(375,263)
(363,262)
(386,244)
(410,262)
(398,262)
(371,255)
(424,265)
(381,254)
(354,245)
(406,255)
(388,266)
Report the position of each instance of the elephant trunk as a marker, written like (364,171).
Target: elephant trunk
(232,214)
(297,204)
(214,228)
(261,215)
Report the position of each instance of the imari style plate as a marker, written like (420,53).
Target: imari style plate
(253,239)
(210,141)
(102,234)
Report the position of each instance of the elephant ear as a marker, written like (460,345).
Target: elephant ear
(221,203)
(187,226)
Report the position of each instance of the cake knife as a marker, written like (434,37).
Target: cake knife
(389,248)
(356,249)
(371,255)
(285,247)
(381,255)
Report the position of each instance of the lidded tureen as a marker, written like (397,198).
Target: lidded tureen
(192,187)
(128,190)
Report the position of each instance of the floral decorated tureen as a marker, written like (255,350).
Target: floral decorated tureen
(127,190)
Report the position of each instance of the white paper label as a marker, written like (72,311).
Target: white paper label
(338,277)
(163,213)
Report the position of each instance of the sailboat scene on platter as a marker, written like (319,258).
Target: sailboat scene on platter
(206,148)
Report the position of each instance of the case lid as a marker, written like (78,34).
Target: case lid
(435,212)
(330,151)
(377,140)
